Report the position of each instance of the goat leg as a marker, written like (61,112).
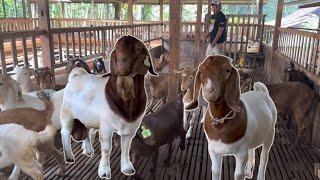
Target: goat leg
(154,158)
(168,158)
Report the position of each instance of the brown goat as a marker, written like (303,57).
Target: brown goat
(158,87)
(35,120)
(160,63)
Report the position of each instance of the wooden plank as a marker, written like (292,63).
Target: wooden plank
(130,15)
(90,43)
(95,41)
(79,44)
(73,45)
(25,52)
(14,51)
(60,47)
(35,54)
(67,46)
(85,43)
(277,25)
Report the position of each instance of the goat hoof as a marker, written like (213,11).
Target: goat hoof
(128,172)
(70,161)
(106,176)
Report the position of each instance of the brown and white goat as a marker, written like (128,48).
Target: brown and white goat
(160,63)
(35,120)
(22,74)
(45,79)
(234,124)
(122,96)
(187,76)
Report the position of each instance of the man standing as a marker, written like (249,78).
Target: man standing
(217,33)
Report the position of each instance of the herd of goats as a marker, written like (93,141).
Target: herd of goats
(239,114)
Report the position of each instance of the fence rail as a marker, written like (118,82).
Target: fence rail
(85,42)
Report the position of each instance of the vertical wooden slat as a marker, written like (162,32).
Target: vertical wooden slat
(60,47)
(315,55)
(79,44)
(237,41)
(90,43)
(103,41)
(73,45)
(198,34)
(277,24)
(25,52)
(99,42)
(174,41)
(85,44)
(67,46)
(242,34)
(130,15)
(296,45)
(15,8)
(231,36)
(3,58)
(14,51)
(4,9)
(35,54)
(95,41)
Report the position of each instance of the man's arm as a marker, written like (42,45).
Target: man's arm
(218,35)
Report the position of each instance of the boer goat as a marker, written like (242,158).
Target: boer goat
(158,129)
(234,124)
(18,146)
(35,120)
(293,74)
(73,63)
(45,78)
(187,81)
(98,66)
(122,96)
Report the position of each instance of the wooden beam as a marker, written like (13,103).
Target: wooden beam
(259,10)
(130,16)
(46,38)
(174,43)
(277,25)
(15,8)
(207,19)
(4,9)
(198,34)
(161,16)
(117,10)
(317,4)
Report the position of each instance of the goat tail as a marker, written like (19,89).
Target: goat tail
(76,72)
(46,135)
(45,98)
(259,86)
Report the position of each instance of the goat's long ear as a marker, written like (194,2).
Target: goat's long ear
(150,63)
(232,90)
(196,92)
(113,63)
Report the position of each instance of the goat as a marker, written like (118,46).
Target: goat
(234,123)
(45,79)
(288,103)
(158,129)
(158,87)
(293,74)
(18,146)
(187,80)
(35,120)
(10,98)
(122,96)
(160,63)
(22,75)
(98,66)
(73,63)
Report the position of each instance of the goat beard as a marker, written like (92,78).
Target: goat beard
(125,87)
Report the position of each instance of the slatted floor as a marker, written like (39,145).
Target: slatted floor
(194,162)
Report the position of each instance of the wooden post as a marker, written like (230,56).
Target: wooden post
(46,38)
(130,16)
(161,17)
(117,10)
(174,43)
(277,25)
(259,10)
(29,9)
(198,34)
(4,9)
(63,10)
(15,8)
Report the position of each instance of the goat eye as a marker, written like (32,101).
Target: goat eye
(228,70)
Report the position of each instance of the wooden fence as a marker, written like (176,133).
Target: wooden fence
(86,42)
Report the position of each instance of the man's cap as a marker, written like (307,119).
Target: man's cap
(216,2)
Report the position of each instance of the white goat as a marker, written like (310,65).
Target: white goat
(23,77)
(18,146)
(113,104)
(234,124)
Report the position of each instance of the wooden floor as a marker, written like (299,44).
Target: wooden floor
(194,162)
